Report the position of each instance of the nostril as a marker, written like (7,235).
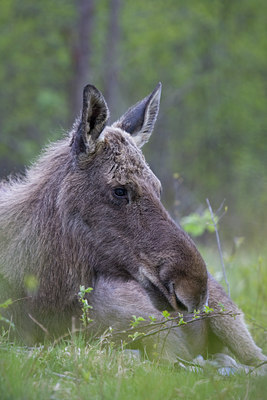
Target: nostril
(180,305)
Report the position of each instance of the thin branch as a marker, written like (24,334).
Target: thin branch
(201,317)
(219,209)
(219,246)
(39,324)
(256,367)
(22,298)
(152,326)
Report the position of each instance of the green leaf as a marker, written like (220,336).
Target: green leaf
(208,310)
(6,303)
(166,314)
(136,321)
(196,224)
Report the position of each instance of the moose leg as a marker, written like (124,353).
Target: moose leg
(114,303)
(232,331)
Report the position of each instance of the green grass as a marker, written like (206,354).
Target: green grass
(75,369)
(79,371)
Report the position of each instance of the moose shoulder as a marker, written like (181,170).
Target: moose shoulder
(88,212)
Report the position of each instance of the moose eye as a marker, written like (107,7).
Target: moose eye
(120,192)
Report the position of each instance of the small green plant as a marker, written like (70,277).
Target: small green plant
(181,321)
(136,321)
(136,335)
(85,306)
(208,310)
(6,304)
(196,314)
(196,224)
(152,319)
(166,314)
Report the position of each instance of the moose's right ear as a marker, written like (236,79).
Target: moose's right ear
(95,113)
(140,119)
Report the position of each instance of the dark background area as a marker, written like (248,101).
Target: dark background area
(211,59)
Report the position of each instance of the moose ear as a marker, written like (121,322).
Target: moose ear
(140,119)
(94,116)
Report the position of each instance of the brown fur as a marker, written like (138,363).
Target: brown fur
(64,224)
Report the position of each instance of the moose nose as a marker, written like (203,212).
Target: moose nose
(163,295)
(172,295)
(174,300)
(183,300)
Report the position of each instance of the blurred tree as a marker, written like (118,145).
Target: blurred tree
(81,52)
(110,77)
(34,73)
(210,57)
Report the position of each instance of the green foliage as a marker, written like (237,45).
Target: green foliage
(208,310)
(196,224)
(136,335)
(222,308)
(196,314)
(211,59)
(79,369)
(181,320)
(166,314)
(6,304)
(152,319)
(85,306)
(136,321)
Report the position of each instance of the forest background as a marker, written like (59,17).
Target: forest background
(210,140)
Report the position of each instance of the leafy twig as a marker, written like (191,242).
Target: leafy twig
(161,325)
(85,318)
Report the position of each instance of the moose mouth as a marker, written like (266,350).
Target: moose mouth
(163,297)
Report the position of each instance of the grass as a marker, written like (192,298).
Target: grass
(75,369)
(80,371)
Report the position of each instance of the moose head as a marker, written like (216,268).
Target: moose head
(114,198)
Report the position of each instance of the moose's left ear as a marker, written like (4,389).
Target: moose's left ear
(94,116)
(140,119)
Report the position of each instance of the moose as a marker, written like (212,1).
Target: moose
(88,212)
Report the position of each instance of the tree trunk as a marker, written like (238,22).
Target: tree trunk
(81,50)
(111,54)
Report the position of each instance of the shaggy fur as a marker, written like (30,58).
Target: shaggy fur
(88,212)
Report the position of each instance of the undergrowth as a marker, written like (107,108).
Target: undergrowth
(76,369)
